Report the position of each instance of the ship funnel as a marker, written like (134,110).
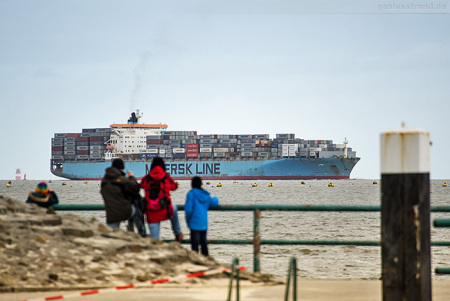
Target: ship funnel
(134,119)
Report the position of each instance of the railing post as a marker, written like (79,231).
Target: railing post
(235,270)
(405,215)
(292,274)
(256,240)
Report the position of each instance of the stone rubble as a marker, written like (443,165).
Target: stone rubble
(41,250)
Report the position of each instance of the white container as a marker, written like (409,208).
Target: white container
(205,150)
(178,150)
(221,150)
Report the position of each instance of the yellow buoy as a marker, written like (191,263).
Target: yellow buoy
(303,183)
(254,185)
(219,185)
(374,182)
(207,183)
(178,183)
(330,185)
(270,185)
(9,182)
(49,181)
(8,185)
(63,183)
(234,181)
(444,185)
(85,182)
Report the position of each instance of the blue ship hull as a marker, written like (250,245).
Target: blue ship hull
(279,169)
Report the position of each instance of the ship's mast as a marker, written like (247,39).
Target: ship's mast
(138,116)
(345,147)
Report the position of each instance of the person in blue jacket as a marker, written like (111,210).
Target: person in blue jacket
(198,201)
(42,196)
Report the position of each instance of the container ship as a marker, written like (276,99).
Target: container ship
(86,155)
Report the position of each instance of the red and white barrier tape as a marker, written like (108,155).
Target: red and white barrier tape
(119,288)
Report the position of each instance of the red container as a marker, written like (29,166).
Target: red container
(82,152)
(83,139)
(154,141)
(72,135)
(57,148)
(97,138)
(192,146)
(192,155)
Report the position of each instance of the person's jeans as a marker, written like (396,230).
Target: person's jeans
(154,228)
(199,238)
(138,219)
(117,224)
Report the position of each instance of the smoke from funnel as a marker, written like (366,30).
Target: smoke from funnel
(139,72)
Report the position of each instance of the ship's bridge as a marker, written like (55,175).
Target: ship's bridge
(131,138)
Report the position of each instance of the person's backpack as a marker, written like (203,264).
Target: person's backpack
(156,199)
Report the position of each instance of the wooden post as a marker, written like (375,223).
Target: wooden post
(405,215)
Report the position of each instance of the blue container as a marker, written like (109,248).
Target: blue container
(179,155)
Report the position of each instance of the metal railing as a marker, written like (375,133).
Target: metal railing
(257,241)
(441,223)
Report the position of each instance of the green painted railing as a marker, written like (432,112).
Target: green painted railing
(292,277)
(354,208)
(442,222)
(257,241)
(234,274)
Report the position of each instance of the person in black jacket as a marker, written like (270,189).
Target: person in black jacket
(116,190)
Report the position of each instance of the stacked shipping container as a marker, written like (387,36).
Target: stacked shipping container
(88,145)
(91,144)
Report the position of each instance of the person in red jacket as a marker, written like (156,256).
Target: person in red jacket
(157,185)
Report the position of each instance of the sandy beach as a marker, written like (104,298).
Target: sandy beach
(217,289)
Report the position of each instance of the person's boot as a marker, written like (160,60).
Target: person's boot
(179,237)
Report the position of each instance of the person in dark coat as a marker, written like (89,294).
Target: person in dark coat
(157,185)
(42,196)
(116,189)
(198,201)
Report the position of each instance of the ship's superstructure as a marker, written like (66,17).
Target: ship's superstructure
(220,156)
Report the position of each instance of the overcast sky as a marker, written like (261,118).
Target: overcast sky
(322,71)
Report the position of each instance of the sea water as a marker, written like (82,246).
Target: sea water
(326,262)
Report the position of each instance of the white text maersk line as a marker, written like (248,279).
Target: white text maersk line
(190,168)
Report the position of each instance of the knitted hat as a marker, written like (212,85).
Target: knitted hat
(118,163)
(42,188)
(196,182)
(157,161)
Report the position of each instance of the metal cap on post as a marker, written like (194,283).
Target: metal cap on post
(405,214)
